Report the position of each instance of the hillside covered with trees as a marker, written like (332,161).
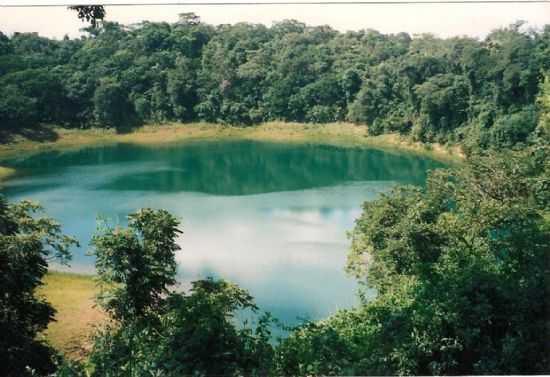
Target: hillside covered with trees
(461,90)
(460,268)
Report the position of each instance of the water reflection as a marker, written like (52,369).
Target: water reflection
(270,217)
(229,168)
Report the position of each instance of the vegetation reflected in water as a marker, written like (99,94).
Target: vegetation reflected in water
(271,217)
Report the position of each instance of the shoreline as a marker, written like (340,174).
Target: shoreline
(337,134)
(73,337)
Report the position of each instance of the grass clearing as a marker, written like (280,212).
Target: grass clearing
(72,295)
(6,173)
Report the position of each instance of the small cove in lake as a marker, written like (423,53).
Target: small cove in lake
(270,217)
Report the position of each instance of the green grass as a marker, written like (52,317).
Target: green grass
(6,173)
(72,295)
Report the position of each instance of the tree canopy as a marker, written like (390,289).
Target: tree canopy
(475,92)
(90,13)
(156,330)
(460,270)
(28,242)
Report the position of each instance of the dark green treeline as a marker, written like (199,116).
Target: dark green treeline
(476,92)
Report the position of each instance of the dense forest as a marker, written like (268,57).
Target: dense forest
(460,267)
(461,90)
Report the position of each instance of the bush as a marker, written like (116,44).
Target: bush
(27,242)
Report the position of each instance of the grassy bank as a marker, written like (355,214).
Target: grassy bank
(72,295)
(6,173)
(341,134)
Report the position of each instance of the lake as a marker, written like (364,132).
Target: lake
(270,217)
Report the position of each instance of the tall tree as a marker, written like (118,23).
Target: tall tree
(27,243)
(543,102)
(112,106)
(90,13)
(157,331)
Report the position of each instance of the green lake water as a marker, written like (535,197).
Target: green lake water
(270,217)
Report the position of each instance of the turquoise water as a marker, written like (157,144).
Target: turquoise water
(270,217)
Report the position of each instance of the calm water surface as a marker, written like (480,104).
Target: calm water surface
(271,217)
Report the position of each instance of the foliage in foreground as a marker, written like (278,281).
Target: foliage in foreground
(461,273)
(27,242)
(460,269)
(157,331)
